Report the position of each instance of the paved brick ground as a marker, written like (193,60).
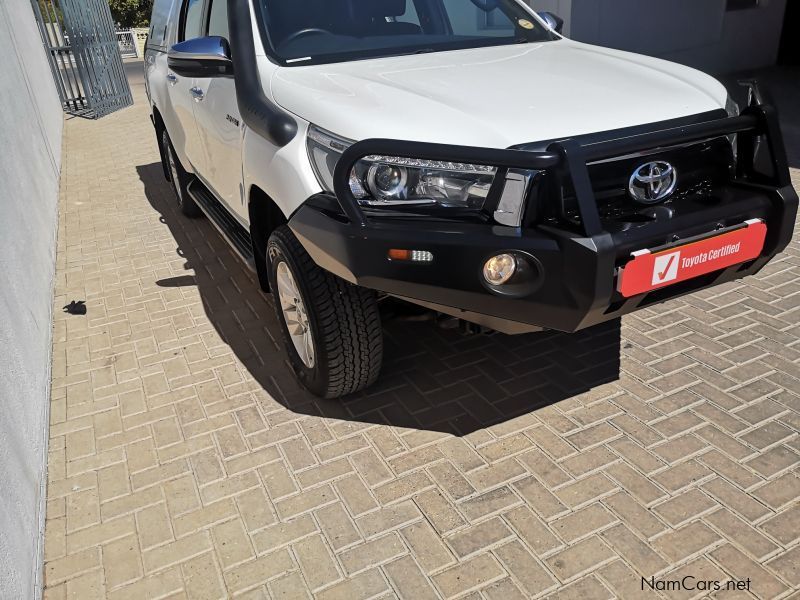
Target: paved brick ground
(185,462)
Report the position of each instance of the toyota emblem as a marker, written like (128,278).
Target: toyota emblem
(653,182)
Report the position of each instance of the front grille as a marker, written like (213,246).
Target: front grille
(702,168)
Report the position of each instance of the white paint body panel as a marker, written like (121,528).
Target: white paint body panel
(488,97)
(495,97)
(220,141)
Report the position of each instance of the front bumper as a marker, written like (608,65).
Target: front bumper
(573,280)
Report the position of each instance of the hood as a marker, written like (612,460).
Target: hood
(494,97)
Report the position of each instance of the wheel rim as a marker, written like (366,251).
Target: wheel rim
(173,170)
(294,314)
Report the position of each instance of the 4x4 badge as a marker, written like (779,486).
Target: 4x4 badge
(653,182)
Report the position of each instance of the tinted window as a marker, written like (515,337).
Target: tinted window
(308,31)
(218,18)
(410,16)
(477,21)
(158,23)
(193,20)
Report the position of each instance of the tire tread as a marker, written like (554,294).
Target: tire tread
(348,323)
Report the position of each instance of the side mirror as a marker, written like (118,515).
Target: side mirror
(553,21)
(201,57)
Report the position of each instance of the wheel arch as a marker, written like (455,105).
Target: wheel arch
(265,216)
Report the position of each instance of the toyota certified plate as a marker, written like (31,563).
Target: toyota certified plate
(649,270)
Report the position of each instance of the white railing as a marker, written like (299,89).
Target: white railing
(128,43)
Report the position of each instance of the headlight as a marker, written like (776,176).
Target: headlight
(324,151)
(397,181)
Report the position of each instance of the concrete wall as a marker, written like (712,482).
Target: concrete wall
(31,123)
(699,33)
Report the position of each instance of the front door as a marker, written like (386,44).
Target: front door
(181,124)
(220,126)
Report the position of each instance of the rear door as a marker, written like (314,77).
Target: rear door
(184,134)
(220,127)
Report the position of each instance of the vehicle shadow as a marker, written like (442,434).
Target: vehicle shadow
(433,379)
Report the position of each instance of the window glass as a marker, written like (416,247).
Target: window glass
(308,31)
(218,19)
(193,20)
(410,16)
(472,20)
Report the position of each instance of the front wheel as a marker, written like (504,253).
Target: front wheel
(331,328)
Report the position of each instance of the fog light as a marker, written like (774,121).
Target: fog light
(499,269)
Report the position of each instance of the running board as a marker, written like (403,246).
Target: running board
(236,235)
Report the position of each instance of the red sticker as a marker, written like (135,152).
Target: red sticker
(648,271)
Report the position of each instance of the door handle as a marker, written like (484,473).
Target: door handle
(197,94)
(172,78)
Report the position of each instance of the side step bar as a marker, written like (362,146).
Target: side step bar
(236,235)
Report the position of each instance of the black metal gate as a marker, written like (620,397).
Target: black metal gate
(81,43)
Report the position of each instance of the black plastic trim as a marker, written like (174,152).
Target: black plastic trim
(235,234)
(574,286)
(626,132)
(258,112)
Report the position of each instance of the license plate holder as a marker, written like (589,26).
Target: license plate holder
(652,269)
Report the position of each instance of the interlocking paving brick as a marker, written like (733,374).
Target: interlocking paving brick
(778,492)
(372,553)
(633,549)
(479,538)
(587,588)
(258,571)
(741,533)
(283,532)
(787,566)
(732,497)
(701,569)
(580,558)
(583,522)
(202,578)
(408,580)
(316,563)
(785,526)
(185,460)
(764,584)
(532,577)
(684,507)
(533,531)
(369,584)
(621,579)
(467,576)
(505,589)
(686,542)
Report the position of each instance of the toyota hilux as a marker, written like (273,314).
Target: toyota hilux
(461,155)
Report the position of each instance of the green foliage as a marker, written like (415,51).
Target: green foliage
(49,11)
(131,13)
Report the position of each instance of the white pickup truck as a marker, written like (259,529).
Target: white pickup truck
(458,154)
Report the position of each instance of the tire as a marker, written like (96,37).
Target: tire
(342,343)
(179,178)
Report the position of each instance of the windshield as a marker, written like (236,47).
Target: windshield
(314,31)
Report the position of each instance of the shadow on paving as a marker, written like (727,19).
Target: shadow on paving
(432,379)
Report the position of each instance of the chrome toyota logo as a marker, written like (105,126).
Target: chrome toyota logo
(653,182)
